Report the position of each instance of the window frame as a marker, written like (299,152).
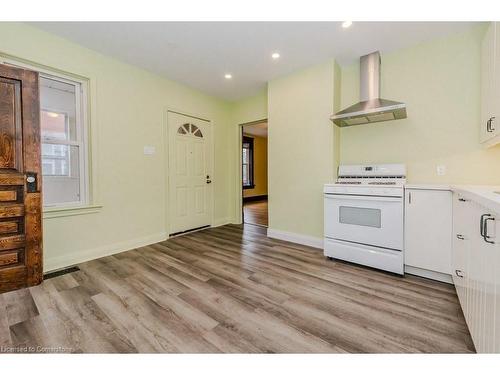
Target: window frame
(249,140)
(81,126)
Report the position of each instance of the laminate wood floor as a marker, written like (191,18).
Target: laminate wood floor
(255,212)
(232,289)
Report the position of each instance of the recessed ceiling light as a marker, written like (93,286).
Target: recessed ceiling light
(228,76)
(275,55)
(346,24)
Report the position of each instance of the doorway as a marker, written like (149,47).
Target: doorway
(254,173)
(190,156)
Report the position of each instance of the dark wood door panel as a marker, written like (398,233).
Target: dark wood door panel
(8,196)
(9,258)
(10,124)
(9,227)
(20,210)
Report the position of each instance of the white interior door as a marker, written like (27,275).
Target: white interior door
(190,171)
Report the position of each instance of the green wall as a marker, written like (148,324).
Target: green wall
(301,148)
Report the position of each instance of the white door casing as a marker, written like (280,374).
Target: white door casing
(190,172)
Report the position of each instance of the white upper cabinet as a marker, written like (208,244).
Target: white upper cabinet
(490,86)
(428,227)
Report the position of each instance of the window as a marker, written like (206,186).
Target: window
(190,129)
(63,141)
(247,163)
(64,135)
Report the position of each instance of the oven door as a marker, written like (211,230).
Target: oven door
(369,220)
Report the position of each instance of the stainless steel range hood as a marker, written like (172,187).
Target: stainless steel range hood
(371,108)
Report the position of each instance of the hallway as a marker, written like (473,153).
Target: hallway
(256,212)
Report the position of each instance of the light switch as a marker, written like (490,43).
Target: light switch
(149,150)
(441,170)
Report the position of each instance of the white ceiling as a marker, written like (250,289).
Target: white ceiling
(259,130)
(198,54)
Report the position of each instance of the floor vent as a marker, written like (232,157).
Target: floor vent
(50,275)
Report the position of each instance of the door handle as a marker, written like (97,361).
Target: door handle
(209,181)
(31,182)
(481,224)
(485,228)
(460,237)
(489,126)
(459,273)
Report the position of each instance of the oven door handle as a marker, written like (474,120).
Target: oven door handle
(376,198)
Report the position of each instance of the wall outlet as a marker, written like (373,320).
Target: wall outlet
(441,170)
(149,150)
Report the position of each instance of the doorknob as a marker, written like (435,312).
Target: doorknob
(31,183)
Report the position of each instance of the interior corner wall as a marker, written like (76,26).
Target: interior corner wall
(337,87)
(301,148)
(252,109)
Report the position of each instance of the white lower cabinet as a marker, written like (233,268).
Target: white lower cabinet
(476,270)
(428,227)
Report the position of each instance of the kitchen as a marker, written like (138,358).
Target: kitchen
(380,188)
(447,233)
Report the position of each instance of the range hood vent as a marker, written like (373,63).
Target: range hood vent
(371,108)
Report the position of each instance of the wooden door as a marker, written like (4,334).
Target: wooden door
(190,181)
(20,182)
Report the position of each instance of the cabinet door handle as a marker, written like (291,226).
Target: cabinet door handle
(489,125)
(460,237)
(485,228)
(409,197)
(462,200)
(481,224)
(459,273)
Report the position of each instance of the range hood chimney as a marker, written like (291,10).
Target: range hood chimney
(371,108)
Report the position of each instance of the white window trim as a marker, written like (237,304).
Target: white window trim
(84,205)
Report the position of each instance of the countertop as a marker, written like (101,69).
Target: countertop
(427,187)
(483,194)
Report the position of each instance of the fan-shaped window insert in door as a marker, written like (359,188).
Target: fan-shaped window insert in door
(190,129)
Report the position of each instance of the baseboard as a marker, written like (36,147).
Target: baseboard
(301,239)
(220,222)
(433,275)
(64,261)
(255,198)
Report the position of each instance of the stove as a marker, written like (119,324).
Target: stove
(364,216)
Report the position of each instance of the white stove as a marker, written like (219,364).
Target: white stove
(364,216)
